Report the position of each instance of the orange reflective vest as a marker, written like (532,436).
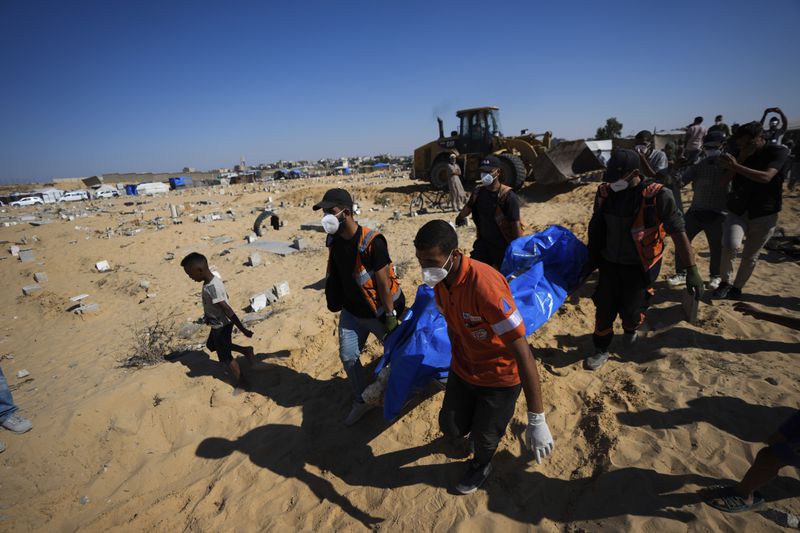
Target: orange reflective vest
(365,279)
(647,231)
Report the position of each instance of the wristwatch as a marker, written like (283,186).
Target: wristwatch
(393,312)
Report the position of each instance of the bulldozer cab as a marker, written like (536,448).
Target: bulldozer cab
(477,129)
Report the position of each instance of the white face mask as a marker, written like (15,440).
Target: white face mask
(432,276)
(619,185)
(486,179)
(330,223)
(641,148)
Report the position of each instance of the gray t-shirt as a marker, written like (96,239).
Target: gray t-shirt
(658,160)
(214,293)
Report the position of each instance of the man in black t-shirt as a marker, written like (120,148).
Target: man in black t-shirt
(495,211)
(361,283)
(753,205)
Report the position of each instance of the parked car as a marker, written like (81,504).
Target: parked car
(107,193)
(74,196)
(27,200)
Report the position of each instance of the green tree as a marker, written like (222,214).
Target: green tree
(611,130)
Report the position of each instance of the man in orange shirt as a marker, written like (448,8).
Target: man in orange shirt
(491,360)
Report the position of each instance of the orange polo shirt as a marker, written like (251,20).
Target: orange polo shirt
(481,317)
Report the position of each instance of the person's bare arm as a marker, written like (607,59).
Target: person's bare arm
(648,170)
(516,229)
(759,176)
(467,209)
(683,248)
(784,121)
(764,116)
(528,374)
(231,314)
(384,292)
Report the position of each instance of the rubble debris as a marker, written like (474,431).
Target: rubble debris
(300,244)
(23,374)
(40,277)
(102,266)
(26,256)
(78,298)
(254,259)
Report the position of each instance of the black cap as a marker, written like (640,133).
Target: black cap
(490,163)
(714,138)
(621,163)
(335,198)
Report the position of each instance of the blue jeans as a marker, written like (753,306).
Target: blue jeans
(7,407)
(353,333)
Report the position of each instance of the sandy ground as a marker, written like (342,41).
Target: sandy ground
(171,447)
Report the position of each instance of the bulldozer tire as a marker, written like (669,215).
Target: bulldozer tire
(439,176)
(264,215)
(513,171)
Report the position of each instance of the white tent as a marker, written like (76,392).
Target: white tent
(50,195)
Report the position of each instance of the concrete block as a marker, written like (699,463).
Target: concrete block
(144,284)
(40,277)
(14,250)
(258,302)
(251,237)
(281,289)
(300,244)
(78,298)
(27,290)
(102,266)
(86,308)
(26,256)
(271,297)
(254,259)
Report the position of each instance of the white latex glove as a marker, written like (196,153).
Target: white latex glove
(538,437)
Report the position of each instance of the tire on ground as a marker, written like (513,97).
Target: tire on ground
(439,176)
(260,220)
(514,172)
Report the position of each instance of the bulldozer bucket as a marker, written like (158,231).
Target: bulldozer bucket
(566,161)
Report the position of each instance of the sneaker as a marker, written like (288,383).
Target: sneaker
(473,478)
(17,424)
(593,362)
(359,409)
(722,290)
(676,280)
(631,337)
(714,282)
(734,294)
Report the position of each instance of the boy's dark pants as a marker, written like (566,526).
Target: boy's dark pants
(482,412)
(622,290)
(220,341)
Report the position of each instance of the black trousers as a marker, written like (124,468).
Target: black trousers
(622,290)
(491,253)
(481,412)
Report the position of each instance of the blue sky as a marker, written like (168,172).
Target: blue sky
(99,86)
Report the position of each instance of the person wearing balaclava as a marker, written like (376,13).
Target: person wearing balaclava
(495,211)
(627,236)
(773,133)
(362,284)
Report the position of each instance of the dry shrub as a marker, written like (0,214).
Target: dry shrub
(152,341)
